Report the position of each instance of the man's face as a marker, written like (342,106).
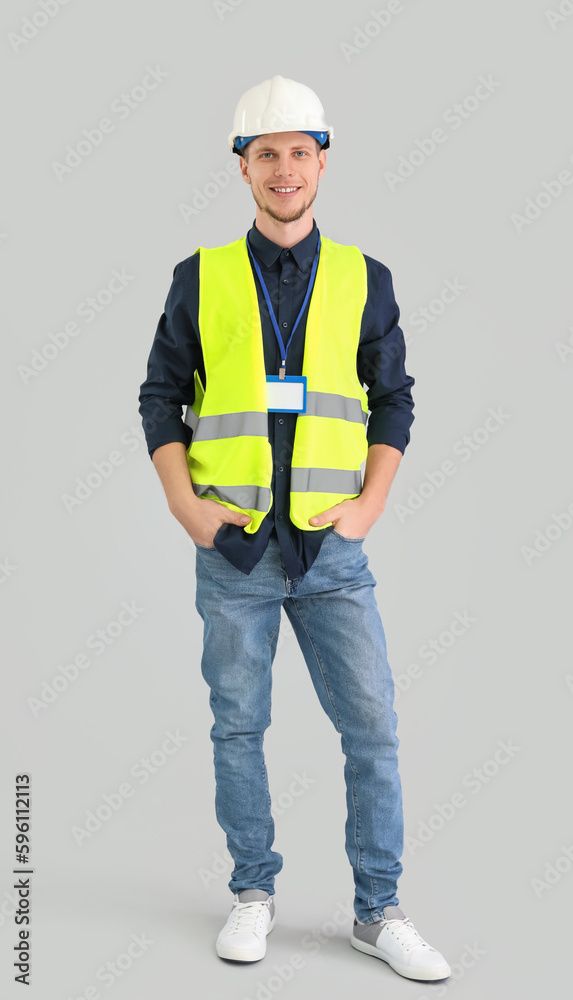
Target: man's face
(283,160)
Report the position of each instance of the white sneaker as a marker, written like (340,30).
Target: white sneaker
(244,936)
(396,941)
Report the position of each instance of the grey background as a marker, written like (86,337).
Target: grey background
(66,573)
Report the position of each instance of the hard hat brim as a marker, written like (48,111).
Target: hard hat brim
(317,134)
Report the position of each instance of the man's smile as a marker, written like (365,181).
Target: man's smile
(285,192)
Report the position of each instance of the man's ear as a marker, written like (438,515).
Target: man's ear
(244,170)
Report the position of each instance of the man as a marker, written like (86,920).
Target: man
(269,341)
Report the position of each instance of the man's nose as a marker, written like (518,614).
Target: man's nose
(284,166)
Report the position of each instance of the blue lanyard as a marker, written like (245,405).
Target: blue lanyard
(282,348)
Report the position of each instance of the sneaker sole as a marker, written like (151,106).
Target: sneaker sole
(403,970)
(240,954)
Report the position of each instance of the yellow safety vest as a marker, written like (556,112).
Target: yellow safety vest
(230,456)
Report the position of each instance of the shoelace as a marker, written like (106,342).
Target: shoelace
(406,933)
(246,915)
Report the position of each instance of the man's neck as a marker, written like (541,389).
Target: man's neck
(284,234)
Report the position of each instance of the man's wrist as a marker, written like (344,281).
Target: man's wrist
(381,467)
(181,503)
(373,506)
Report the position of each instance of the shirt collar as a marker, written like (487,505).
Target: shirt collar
(268,252)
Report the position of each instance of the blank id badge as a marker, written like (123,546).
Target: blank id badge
(286,395)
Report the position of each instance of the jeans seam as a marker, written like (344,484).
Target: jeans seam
(264,775)
(357,818)
(274,633)
(373,892)
(354,799)
(315,651)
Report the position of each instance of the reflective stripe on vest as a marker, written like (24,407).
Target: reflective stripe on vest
(230,458)
(256,497)
(325,481)
(320,404)
(227,425)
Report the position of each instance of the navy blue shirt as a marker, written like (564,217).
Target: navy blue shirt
(176,353)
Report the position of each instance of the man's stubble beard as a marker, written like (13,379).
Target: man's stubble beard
(297,214)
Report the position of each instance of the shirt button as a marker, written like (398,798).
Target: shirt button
(287,253)
(285,281)
(281,420)
(285,324)
(280,468)
(279,517)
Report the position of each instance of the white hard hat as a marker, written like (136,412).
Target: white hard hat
(278,105)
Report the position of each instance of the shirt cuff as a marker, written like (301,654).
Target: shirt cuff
(396,437)
(174,430)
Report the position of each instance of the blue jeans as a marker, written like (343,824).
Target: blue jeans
(335,618)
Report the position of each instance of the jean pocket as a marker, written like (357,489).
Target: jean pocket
(345,538)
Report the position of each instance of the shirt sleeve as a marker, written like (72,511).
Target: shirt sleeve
(381,363)
(175,355)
